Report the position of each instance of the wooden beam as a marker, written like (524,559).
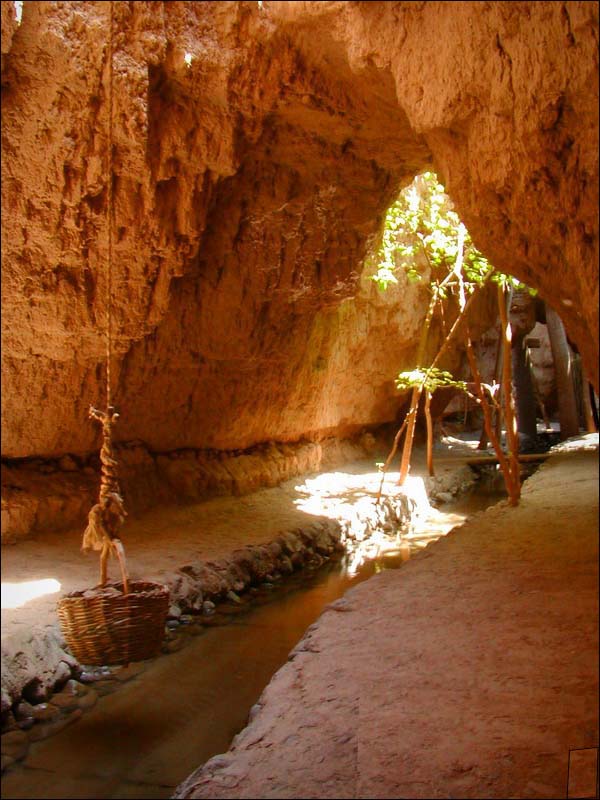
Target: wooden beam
(523,458)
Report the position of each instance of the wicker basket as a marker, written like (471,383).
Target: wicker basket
(105,628)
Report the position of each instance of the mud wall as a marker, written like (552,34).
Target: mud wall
(255,152)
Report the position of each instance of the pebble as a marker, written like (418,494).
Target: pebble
(186,619)
(14,744)
(208,607)
(172,624)
(231,595)
(174,611)
(90,677)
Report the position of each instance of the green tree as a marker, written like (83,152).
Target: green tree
(424,237)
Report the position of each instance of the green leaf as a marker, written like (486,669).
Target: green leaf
(422,222)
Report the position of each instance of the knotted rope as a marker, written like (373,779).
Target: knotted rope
(107,516)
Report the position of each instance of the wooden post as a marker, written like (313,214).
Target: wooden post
(415,397)
(567,405)
(590,422)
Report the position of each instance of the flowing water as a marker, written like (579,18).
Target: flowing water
(145,738)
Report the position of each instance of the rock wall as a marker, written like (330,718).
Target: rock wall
(57,494)
(255,152)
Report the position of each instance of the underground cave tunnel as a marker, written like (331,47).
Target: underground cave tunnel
(236,163)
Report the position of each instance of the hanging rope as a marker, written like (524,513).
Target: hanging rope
(110,213)
(107,516)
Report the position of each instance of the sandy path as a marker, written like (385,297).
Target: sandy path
(470,672)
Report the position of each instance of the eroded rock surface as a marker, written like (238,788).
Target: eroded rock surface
(255,152)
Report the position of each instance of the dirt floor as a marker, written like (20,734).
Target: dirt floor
(471,672)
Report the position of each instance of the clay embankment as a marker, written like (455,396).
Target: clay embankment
(54,495)
(470,672)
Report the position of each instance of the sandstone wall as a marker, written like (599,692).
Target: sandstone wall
(255,153)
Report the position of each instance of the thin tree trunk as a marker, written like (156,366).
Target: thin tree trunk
(429,433)
(458,322)
(385,467)
(410,434)
(415,397)
(453,330)
(567,406)
(512,440)
(412,413)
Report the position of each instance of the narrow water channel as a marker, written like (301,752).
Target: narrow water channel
(145,738)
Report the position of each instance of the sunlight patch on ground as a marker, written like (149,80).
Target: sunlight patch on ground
(351,500)
(338,494)
(15,595)
(332,493)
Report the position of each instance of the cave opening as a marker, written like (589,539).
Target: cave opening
(424,242)
(257,151)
